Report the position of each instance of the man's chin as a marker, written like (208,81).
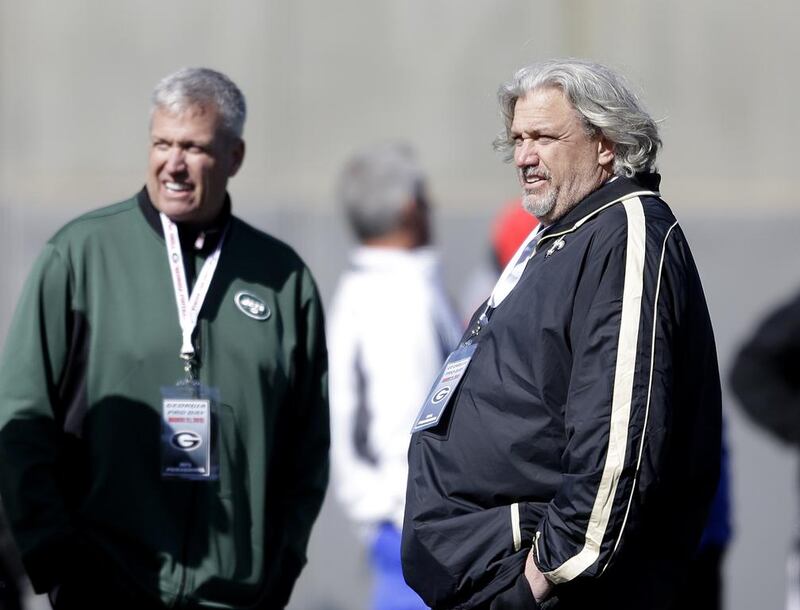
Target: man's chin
(177,211)
(538,206)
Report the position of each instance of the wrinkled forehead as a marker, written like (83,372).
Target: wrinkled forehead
(552,103)
(198,119)
(187,110)
(544,104)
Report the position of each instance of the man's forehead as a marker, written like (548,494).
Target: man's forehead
(188,111)
(194,116)
(543,105)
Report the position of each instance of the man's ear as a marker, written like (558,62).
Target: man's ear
(238,157)
(605,152)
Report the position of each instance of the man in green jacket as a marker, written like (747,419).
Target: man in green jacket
(163,402)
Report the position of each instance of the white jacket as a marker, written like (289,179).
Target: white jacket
(390,328)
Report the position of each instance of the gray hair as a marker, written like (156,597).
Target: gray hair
(202,87)
(604,101)
(376,185)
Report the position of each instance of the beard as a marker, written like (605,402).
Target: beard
(540,205)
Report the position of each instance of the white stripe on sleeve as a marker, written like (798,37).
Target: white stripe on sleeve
(621,399)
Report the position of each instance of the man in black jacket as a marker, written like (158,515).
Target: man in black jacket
(765,379)
(568,453)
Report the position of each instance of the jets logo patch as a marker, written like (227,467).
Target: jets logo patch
(251,306)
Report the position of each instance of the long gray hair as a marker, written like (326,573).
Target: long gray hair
(202,87)
(604,101)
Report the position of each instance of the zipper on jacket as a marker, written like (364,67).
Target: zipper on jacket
(187,540)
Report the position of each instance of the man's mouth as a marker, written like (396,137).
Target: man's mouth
(177,187)
(530,175)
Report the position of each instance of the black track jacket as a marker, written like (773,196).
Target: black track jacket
(587,424)
(765,376)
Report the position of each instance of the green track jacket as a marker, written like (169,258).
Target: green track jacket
(94,338)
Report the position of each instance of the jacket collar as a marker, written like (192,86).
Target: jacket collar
(610,192)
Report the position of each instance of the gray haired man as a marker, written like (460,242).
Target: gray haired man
(567,455)
(163,403)
(390,328)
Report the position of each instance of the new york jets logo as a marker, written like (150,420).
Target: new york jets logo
(441,395)
(251,306)
(186,440)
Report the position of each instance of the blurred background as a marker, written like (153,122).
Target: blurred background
(323,78)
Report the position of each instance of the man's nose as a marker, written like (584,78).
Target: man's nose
(526,153)
(176,159)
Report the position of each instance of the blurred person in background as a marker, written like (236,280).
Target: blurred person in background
(163,410)
(390,328)
(568,453)
(765,377)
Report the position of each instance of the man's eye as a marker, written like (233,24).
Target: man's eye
(196,149)
(160,146)
(517,140)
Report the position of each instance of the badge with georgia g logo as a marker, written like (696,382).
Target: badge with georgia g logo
(186,432)
(438,398)
(251,305)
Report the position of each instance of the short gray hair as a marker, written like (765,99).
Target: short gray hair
(202,87)
(604,101)
(376,185)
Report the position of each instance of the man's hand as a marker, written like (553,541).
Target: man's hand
(540,586)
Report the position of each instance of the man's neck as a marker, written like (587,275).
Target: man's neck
(401,240)
(189,232)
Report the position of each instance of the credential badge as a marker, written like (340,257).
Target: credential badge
(251,306)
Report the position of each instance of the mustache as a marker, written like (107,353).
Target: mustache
(532,172)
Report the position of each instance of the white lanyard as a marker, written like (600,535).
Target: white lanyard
(513,271)
(189,305)
(508,279)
